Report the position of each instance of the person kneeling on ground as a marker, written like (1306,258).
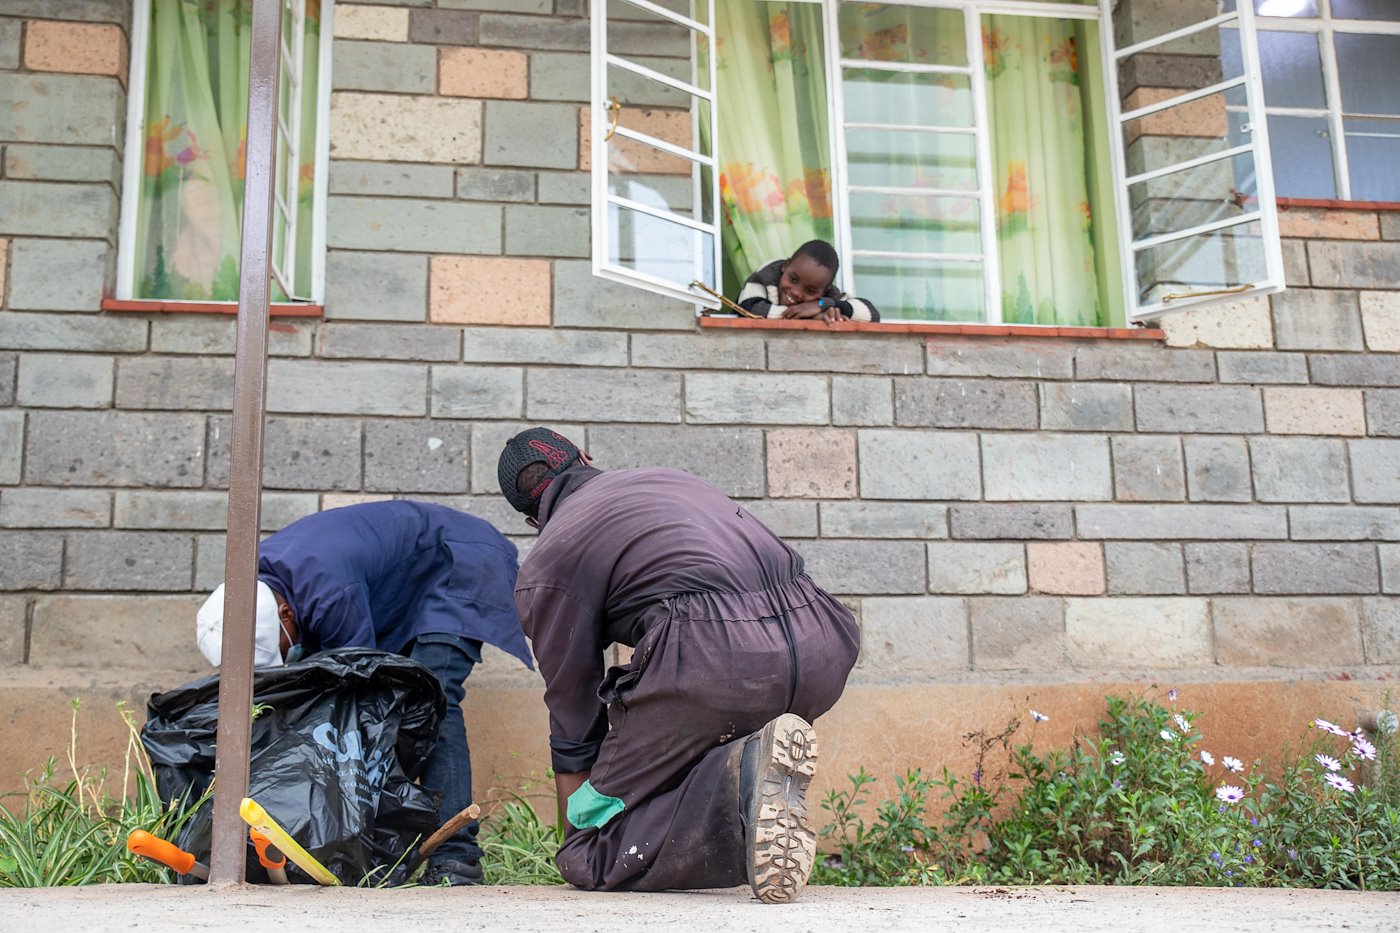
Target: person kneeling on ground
(688,766)
(413,578)
(803,287)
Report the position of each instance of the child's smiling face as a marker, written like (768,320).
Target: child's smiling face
(804,279)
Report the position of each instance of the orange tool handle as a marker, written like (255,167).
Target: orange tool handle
(269,856)
(143,843)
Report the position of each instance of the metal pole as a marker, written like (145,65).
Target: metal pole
(246,452)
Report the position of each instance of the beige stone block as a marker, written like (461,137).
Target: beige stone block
(11,630)
(1252,631)
(489,290)
(1201,118)
(338,500)
(1138,632)
(1380,319)
(75,48)
(484,73)
(105,631)
(1235,325)
(1069,568)
(812,464)
(4,267)
(1315,223)
(911,636)
(402,128)
(1309,410)
(629,157)
(382,23)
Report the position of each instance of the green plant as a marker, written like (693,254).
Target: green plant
(517,847)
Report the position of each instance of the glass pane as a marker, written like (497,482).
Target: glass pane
(1292,69)
(1369,69)
(898,159)
(1181,65)
(1373,153)
(905,224)
(1364,9)
(1137,21)
(681,123)
(658,179)
(1219,259)
(1302,156)
(874,96)
(1194,196)
(1174,134)
(921,290)
(658,247)
(880,32)
(644,37)
(1296,8)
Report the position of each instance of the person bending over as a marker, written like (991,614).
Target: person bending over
(803,286)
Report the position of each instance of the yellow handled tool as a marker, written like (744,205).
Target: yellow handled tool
(258,818)
(269,857)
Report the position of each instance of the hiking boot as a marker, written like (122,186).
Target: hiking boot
(780,845)
(451,873)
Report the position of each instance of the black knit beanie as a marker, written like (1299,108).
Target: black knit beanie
(535,445)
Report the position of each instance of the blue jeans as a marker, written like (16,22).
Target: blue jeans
(451,658)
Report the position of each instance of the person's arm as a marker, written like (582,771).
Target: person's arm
(852,309)
(564,787)
(340,620)
(754,298)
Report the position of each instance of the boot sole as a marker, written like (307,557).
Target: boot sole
(782,842)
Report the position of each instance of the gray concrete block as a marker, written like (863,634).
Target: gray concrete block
(390,179)
(175,383)
(1383,413)
(534,32)
(860,400)
(416,456)
(489,439)
(1343,523)
(73,211)
(1354,264)
(9,366)
(1261,368)
(1086,406)
(756,398)
(10,33)
(398,67)
(1025,633)
(147,632)
(798,353)
(976,567)
(1217,469)
(1142,361)
(315,387)
(13,624)
(1390,567)
(698,351)
(89,11)
(57,275)
(730,459)
(1380,629)
(1016,521)
(91,111)
(390,342)
(1199,409)
(128,560)
(532,230)
(1317,319)
(1254,632)
(905,638)
(965,403)
(413,225)
(1390,226)
(538,7)
(535,135)
(1315,568)
(1217,567)
(1148,469)
(209,562)
(606,395)
(99,333)
(581,299)
(565,188)
(921,520)
(199,510)
(1047,467)
(1353,369)
(495,184)
(1295,264)
(1299,469)
(62,163)
(1141,568)
(918,465)
(478,392)
(299,453)
(788,518)
(1375,470)
(1175,522)
(866,567)
(11,446)
(30,560)
(65,380)
(543,345)
(442,27)
(996,357)
(33,507)
(112,448)
(559,76)
(376,287)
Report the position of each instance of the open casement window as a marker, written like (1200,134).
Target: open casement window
(187,128)
(653,131)
(1195,189)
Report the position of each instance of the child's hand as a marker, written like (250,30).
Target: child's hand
(811,309)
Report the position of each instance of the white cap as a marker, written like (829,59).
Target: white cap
(267,638)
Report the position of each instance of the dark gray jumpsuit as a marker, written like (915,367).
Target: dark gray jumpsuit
(729,633)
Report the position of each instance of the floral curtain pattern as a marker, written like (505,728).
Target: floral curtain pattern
(189,208)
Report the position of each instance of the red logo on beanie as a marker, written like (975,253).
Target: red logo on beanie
(555,457)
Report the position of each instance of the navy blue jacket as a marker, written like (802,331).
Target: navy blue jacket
(379,574)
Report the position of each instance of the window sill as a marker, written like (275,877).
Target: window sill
(939,329)
(207,307)
(1336,205)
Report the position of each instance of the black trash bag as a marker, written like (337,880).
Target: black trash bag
(333,758)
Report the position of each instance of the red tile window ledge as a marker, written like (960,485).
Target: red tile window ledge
(1332,204)
(206,307)
(939,329)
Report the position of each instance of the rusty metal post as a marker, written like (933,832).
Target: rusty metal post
(234,735)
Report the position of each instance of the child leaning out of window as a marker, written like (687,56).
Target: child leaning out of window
(803,287)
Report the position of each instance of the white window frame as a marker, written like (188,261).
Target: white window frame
(1326,27)
(973,10)
(134,153)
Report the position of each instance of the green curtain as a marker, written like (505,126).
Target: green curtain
(774,146)
(196,125)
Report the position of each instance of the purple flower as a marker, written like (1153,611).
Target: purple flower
(1249,860)
(1254,821)
(1229,793)
(1258,843)
(1363,749)
(977,776)
(1216,856)
(1038,716)
(1339,782)
(1292,854)
(1117,785)
(1207,757)
(1233,765)
(1331,727)
(1328,762)
(1171,695)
